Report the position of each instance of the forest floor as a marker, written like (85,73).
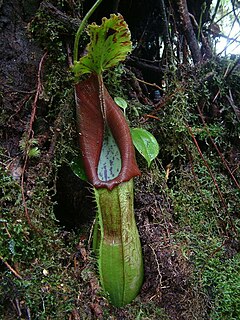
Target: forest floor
(186,204)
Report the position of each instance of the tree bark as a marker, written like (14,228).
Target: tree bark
(68,22)
(188,31)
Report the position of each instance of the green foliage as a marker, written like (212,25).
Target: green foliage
(19,243)
(173,134)
(143,140)
(109,44)
(201,217)
(49,33)
(10,194)
(145,143)
(121,103)
(113,81)
(48,287)
(221,277)
(206,225)
(30,147)
(78,168)
(214,130)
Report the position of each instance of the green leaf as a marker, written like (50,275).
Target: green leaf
(145,143)
(109,44)
(78,168)
(121,103)
(110,163)
(34,152)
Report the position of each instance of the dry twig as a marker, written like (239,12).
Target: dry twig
(11,268)
(30,135)
(232,104)
(150,84)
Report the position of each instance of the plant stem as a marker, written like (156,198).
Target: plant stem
(81,28)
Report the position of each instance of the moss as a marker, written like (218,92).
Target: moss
(206,216)
(222,280)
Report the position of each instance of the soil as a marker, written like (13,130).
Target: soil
(19,59)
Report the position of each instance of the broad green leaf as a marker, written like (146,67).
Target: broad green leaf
(109,44)
(110,163)
(145,143)
(78,169)
(121,103)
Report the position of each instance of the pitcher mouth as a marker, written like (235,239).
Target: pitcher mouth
(94,128)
